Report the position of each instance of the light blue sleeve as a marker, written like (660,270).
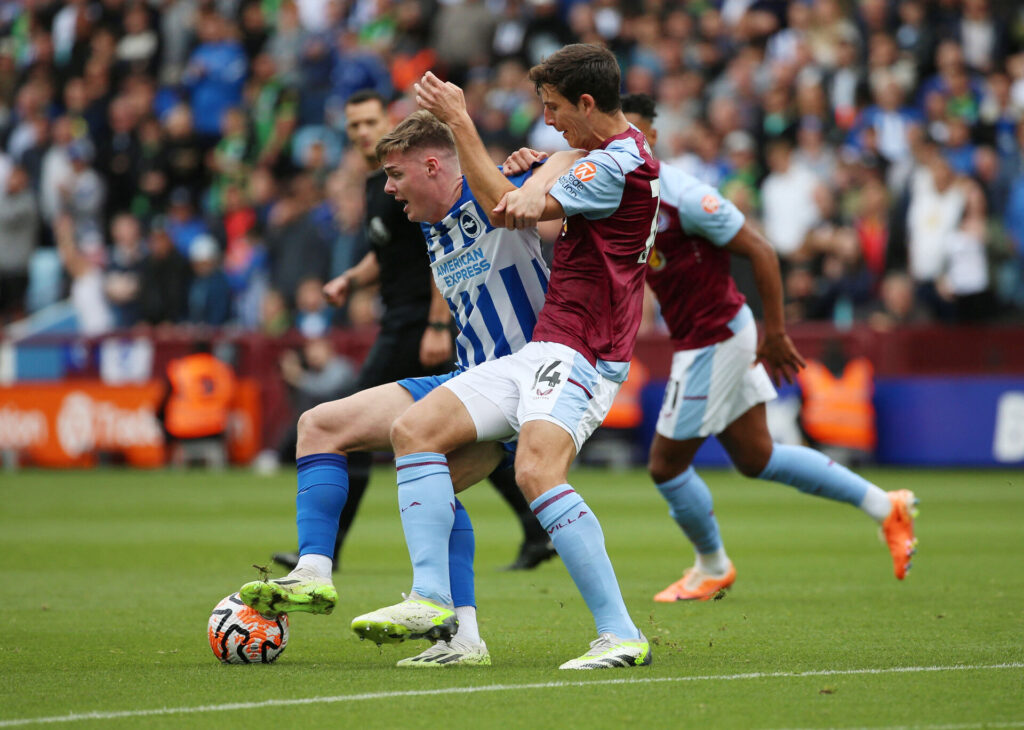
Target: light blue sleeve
(593,188)
(703,211)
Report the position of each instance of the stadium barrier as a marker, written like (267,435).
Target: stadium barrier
(944,396)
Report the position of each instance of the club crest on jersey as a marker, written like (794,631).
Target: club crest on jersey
(379,232)
(709,203)
(656,260)
(585,171)
(469,224)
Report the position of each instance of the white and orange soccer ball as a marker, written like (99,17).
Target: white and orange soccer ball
(240,635)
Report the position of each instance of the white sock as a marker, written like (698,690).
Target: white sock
(876,503)
(319,564)
(468,630)
(716,563)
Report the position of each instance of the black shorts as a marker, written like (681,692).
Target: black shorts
(396,355)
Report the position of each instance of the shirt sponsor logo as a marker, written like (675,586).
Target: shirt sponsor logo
(585,171)
(462,267)
(709,203)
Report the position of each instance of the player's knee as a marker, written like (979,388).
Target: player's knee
(408,435)
(752,460)
(314,437)
(534,477)
(663,466)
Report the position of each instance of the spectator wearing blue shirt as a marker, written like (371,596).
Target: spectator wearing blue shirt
(214,76)
(891,121)
(356,68)
(209,296)
(182,224)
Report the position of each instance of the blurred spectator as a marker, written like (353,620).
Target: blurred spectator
(19,222)
(182,223)
(84,265)
(274,319)
(215,74)
(164,280)
(312,315)
(137,49)
(897,304)
(938,199)
(294,243)
(315,376)
(319,375)
(183,153)
(209,295)
(83,193)
(123,280)
(118,156)
(790,195)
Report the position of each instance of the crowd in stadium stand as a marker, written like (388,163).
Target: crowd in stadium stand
(184,161)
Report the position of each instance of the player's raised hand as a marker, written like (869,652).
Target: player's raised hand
(442,99)
(522,208)
(336,291)
(779,355)
(521,160)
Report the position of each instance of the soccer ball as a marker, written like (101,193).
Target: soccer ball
(240,635)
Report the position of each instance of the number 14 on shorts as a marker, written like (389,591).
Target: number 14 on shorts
(547,374)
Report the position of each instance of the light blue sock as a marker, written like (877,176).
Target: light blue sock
(814,473)
(427,503)
(461,549)
(578,538)
(691,507)
(323,491)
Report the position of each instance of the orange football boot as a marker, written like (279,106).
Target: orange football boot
(898,530)
(696,586)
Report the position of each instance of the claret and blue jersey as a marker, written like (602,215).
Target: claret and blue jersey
(493,279)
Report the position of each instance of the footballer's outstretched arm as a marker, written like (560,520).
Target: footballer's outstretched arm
(446,102)
(776,351)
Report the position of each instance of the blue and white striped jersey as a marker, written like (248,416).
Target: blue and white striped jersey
(494,279)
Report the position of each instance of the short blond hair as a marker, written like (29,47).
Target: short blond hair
(419,130)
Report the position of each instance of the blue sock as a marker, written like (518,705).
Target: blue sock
(427,503)
(578,538)
(691,507)
(461,549)
(323,491)
(814,473)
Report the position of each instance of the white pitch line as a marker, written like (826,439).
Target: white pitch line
(492,688)
(964,726)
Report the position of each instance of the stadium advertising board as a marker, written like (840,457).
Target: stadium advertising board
(69,424)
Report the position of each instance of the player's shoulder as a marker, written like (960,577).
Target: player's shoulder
(686,192)
(622,154)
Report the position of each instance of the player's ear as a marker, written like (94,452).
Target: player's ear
(433,166)
(586,103)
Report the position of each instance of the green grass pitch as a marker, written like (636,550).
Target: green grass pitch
(109,577)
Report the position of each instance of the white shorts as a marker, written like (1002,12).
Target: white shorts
(544,381)
(711,387)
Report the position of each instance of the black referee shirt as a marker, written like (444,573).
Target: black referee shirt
(405,278)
